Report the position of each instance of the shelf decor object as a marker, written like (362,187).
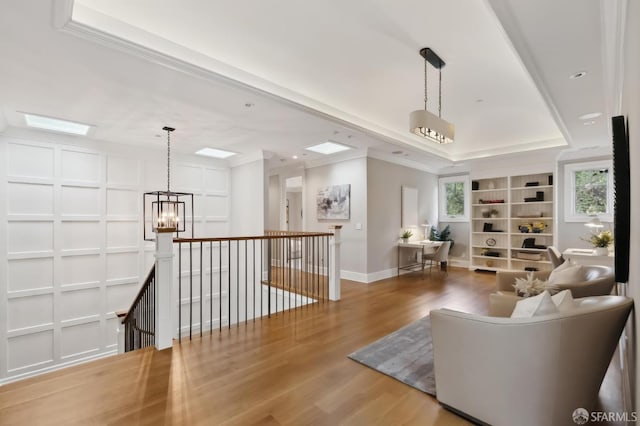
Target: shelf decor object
(422,122)
(167,209)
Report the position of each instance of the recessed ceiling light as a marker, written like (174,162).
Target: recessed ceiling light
(328,148)
(215,153)
(590,116)
(56,125)
(295,157)
(589,123)
(579,74)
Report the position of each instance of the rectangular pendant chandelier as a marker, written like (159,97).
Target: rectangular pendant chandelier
(422,122)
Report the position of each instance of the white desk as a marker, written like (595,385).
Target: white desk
(587,257)
(421,247)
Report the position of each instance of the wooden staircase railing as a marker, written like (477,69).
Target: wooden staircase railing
(139,322)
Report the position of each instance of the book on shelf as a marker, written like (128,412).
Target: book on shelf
(528,255)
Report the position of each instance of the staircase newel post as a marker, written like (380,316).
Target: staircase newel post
(165,303)
(334,263)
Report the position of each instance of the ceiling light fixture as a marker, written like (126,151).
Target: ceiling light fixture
(168,209)
(590,116)
(215,153)
(422,122)
(579,74)
(56,124)
(328,148)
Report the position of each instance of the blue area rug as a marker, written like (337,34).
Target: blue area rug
(406,355)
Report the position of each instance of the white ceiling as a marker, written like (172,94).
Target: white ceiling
(345,71)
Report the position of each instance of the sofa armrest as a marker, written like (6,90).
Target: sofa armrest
(506,279)
(502,304)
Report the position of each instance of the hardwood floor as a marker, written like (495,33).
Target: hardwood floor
(291,369)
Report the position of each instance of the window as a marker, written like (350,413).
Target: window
(454,199)
(589,191)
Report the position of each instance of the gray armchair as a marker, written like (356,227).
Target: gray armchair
(599,281)
(526,371)
(439,256)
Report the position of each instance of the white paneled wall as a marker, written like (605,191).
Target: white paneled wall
(74,254)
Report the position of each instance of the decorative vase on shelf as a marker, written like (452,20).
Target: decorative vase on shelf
(405,240)
(601,251)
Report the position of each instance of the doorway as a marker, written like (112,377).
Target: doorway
(293,204)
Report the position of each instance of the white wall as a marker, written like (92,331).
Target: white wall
(249,186)
(459,253)
(631,108)
(354,242)
(384,183)
(70,213)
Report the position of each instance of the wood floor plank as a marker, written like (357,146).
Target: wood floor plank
(291,369)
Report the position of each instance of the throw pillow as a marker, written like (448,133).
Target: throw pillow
(567,274)
(535,306)
(564,301)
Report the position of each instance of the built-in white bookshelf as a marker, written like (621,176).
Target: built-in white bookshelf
(511,222)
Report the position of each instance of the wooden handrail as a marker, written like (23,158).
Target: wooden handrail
(256,237)
(150,276)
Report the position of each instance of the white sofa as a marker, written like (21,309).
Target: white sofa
(526,371)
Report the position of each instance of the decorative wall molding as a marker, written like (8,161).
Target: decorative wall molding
(71,217)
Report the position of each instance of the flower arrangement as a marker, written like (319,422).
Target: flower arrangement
(532,286)
(602,239)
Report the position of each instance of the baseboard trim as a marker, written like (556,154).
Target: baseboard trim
(381,275)
(460,263)
(391,272)
(353,276)
(56,367)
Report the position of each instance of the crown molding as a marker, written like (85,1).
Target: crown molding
(522,148)
(96,27)
(336,158)
(62,13)
(251,157)
(405,162)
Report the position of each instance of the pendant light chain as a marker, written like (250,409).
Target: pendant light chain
(168,162)
(425,84)
(440,93)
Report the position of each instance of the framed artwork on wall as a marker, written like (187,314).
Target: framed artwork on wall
(334,202)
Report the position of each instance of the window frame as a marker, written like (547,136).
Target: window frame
(570,170)
(442,198)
